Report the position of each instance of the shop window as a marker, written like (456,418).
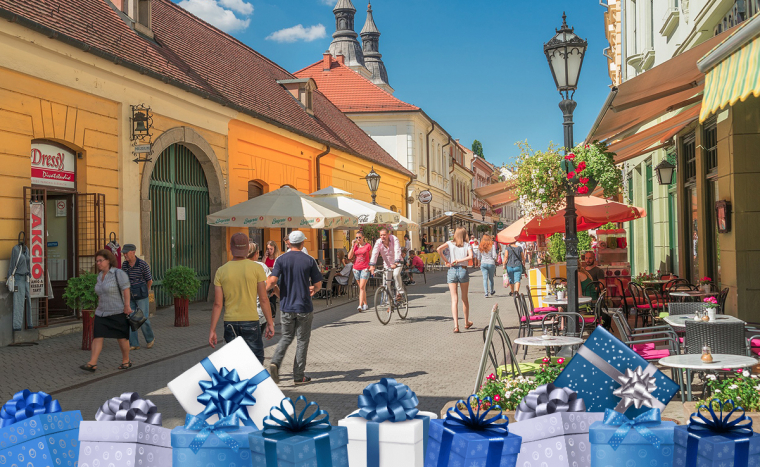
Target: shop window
(256,189)
(711,145)
(690,157)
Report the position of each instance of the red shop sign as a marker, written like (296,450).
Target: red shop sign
(37,249)
(53,165)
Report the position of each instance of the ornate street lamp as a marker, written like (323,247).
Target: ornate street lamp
(373,181)
(483,212)
(665,172)
(565,52)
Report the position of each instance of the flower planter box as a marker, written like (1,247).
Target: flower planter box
(691,407)
(181,314)
(88,327)
(508,413)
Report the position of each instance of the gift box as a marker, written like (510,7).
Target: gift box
(605,373)
(400,433)
(300,440)
(237,356)
(474,440)
(716,441)
(127,433)
(48,439)
(624,446)
(214,452)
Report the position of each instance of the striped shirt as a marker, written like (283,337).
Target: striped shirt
(110,299)
(139,273)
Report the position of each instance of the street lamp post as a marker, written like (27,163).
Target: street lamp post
(483,212)
(665,172)
(565,52)
(373,181)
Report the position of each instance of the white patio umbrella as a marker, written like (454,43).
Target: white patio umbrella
(367,213)
(406,224)
(285,207)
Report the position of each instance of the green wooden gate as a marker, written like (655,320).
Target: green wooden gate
(179,206)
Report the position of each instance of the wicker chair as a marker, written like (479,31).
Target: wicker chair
(723,338)
(685,308)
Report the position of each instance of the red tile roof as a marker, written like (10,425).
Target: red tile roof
(350,91)
(190,53)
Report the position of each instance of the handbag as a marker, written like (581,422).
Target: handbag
(505,280)
(11,282)
(139,291)
(137,318)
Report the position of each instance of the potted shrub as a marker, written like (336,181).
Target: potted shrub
(181,282)
(742,387)
(80,295)
(561,291)
(712,307)
(704,284)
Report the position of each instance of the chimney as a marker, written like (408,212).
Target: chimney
(341,59)
(326,61)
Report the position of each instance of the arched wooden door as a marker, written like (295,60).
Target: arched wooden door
(179,206)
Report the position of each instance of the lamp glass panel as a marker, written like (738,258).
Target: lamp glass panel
(558,67)
(574,60)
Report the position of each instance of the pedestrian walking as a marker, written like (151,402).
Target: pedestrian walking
(140,282)
(299,279)
(112,288)
(253,255)
(459,255)
(515,265)
(286,240)
(488,256)
(360,253)
(407,242)
(475,251)
(237,285)
(271,254)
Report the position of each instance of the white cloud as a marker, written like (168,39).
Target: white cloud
(329,2)
(298,33)
(215,13)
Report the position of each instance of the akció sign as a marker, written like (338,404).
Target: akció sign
(53,165)
(37,249)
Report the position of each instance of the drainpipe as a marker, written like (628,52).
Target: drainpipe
(427,164)
(406,196)
(319,172)
(452,167)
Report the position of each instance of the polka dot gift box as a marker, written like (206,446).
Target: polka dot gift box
(127,433)
(224,447)
(644,441)
(607,374)
(35,433)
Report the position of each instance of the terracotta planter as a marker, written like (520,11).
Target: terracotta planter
(88,326)
(691,407)
(181,318)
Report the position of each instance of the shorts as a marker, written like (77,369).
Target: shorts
(363,274)
(457,275)
(515,274)
(415,271)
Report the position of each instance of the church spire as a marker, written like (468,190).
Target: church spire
(372,57)
(344,38)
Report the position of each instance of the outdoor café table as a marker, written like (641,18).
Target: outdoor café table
(554,301)
(655,283)
(694,362)
(679,321)
(553,341)
(693,294)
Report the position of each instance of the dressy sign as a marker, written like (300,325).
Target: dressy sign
(53,166)
(425,197)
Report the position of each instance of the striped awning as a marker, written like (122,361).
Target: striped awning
(734,79)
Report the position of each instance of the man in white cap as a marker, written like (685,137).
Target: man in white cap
(299,279)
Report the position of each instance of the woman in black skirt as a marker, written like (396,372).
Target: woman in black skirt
(112,288)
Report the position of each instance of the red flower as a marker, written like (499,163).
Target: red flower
(497,398)
(545,360)
(570,156)
(583,190)
(571,175)
(560,361)
(581,166)
(491,376)
(584,180)
(586,146)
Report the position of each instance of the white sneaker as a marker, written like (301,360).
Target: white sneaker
(365,307)
(359,308)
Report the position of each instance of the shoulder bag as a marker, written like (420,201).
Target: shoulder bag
(11,282)
(137,318)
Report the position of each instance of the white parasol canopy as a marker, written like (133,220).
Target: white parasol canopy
(367,213)
(406,224)
(285,207)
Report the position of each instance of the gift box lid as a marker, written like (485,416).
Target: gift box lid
(125,432)
(601,433)
(298,448)
(182,437)
(556,424)
(408,432)
(469,441)
(38,425)
(715,447)
(595,386)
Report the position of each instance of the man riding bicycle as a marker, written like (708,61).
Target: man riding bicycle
(389,247)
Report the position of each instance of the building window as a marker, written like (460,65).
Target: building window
(690,157)
(255,189)
(711,144)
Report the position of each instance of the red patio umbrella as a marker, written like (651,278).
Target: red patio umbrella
(593,212)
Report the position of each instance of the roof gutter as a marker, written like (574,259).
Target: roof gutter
(216,98)
(734,42)
(606,107)
(319,174)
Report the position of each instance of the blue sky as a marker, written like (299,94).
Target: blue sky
(475,66)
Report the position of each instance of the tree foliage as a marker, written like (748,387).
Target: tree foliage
(477,148)
(557,246)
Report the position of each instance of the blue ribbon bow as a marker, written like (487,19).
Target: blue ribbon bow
(475,420)
(701,427)
(640,423)
(279,424)
(220,429)
(26,404)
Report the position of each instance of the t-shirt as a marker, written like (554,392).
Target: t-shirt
(474,244)
(457,252)
(295,272)
(514,256)
(361,256)
(596,273)
(269,262)
(488,257)
(417,263)
(342,279)
(239,281)
(268,273)
(139,273)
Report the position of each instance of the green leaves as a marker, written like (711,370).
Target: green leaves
(181,282)
(744,390)
(80,292)
(477,148)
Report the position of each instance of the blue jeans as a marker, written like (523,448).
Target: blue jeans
(144,305)
(294,326)
(489,271)
(250,331)
(515,274)
(21,298)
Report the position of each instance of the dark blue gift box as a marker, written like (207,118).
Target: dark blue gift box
(469,448)
(712,451)
(298,450)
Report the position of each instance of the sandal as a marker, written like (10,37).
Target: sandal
(88,367)
(456,330)
(468,325)
(125,366)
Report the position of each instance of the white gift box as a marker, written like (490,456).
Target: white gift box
(124,444)
(401,443)
(234,355)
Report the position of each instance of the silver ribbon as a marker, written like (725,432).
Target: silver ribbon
(129,407)
(548,399)
(631,383)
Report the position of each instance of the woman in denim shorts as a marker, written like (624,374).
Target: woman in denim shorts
(513,263)
(360,252)
(460,254)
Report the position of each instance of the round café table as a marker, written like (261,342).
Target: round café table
(695,294)
(553,300)
(694,362)
(553,341)
(655,283)
(679,321)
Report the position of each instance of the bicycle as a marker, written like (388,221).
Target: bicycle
(385,300)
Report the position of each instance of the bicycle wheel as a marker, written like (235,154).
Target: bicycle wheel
(402,306)
(383,305)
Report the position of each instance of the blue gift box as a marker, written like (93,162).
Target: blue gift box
(598,368)
(712,451)
(634,451)
(214,452)
(300,451)
(49,440)
(469,448)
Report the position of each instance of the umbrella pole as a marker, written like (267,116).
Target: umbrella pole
(332,247)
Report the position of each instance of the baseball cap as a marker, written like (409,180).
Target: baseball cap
(128,247)
(296,237)
(239,245)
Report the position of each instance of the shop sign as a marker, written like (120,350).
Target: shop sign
(142,148)
(37,249)
(425,197)
(60,208)
(53,165)
(500,225)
